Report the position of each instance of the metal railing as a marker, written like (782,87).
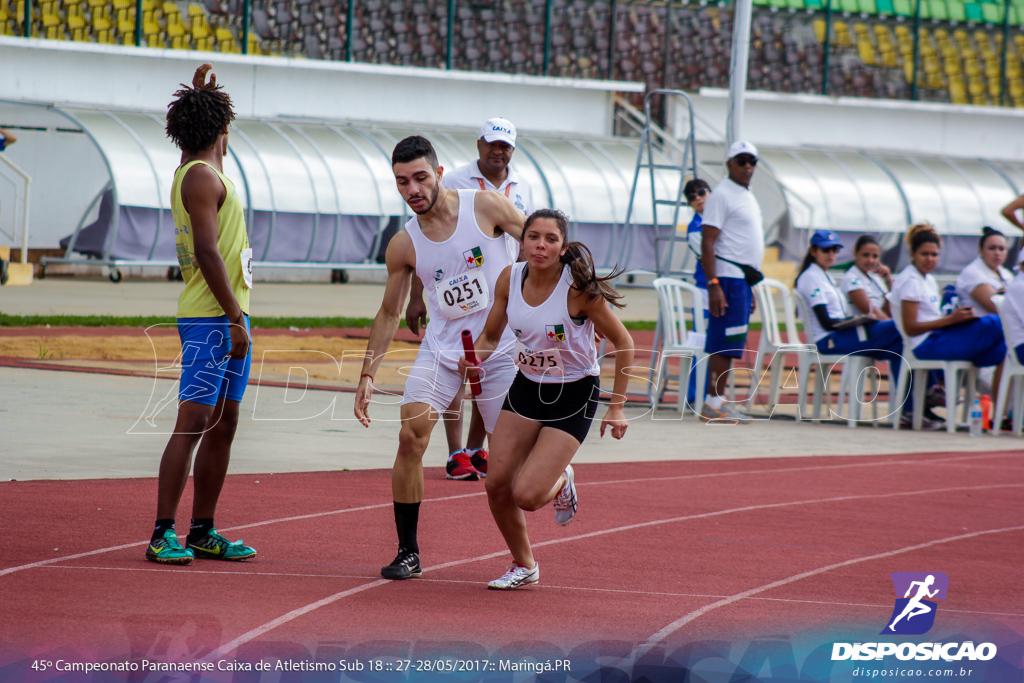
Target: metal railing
(679,45)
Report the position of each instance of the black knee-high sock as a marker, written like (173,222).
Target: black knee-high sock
(407,516)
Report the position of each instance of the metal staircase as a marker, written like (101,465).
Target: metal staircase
(656,156)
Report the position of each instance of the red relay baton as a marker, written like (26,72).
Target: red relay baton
(467,344)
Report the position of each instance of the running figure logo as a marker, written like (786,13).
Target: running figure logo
(474,257)
(914,613)
(555,332)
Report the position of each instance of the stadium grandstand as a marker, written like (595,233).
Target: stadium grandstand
(933,50)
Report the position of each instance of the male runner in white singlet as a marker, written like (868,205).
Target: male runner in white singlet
(455,244)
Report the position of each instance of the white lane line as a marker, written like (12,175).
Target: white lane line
(378,506)
(546,587)
(686,619)
(301,611)
(295,518)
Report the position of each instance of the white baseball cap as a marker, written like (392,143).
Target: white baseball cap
(742,147)
(499,129)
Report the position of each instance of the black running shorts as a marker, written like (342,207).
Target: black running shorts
(569,407)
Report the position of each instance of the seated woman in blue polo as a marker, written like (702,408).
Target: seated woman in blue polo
(832,327)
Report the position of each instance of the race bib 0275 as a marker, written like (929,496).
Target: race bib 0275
(546,362)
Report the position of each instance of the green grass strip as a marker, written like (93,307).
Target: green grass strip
(262,323)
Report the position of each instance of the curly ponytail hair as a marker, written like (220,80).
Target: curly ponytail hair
(922,233)
(580,261)
(198,116)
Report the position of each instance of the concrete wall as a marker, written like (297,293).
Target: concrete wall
(131,78)
(785,120)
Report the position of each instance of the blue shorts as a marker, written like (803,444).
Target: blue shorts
(979,340)
(1020,353)
(727,334)
(207,373)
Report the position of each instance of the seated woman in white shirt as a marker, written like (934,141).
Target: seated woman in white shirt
(915,298)
(868,280)
(875,338)
(985,276)
(1013,311)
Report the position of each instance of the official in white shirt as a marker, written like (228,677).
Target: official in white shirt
(868,280)
(985,276)
(874,338)
(491,171)
(732,249)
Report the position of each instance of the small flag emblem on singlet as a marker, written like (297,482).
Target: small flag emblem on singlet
(474,257)
(555,332)
(438,275)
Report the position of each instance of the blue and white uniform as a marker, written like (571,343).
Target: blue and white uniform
(1013,314)
(872,283)
(877,339)
(979,340)
(694,239)
(734,210)
(978,273)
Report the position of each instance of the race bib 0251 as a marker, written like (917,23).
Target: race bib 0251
(459,296)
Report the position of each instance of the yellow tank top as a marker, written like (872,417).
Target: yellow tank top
(196,300)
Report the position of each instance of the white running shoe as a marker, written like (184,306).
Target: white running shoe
(565,501)
(516,576)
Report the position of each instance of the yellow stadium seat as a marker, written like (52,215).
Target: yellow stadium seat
(957,93)
(866,51)
(819,30)
(195,10)
(843,37)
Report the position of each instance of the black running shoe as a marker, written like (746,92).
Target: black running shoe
(406,565)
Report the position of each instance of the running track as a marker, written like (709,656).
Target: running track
(661,554)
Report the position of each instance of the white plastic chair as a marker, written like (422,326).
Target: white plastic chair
(952,370)
(1012,370)
(852,368)
(772,344)
(674,312)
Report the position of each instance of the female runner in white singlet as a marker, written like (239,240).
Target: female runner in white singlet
(553,302)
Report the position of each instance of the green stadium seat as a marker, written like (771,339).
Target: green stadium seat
(956,11)
(926,12)
(938,10)
(885,7)
(973,12)
(867,6)
(777,4)
(903,8)
(795,4)
(993,13)
(814,4)
(762,3)
(849,6)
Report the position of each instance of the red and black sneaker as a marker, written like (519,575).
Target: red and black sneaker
(478,456)
(460,467)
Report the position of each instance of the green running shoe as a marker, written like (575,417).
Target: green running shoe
(213,546)
(167,550)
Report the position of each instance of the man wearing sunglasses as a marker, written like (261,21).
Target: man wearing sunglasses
(732,249)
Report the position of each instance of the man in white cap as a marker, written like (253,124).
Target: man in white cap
(732,249)
(491,171)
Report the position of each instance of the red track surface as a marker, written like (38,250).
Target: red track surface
(660,552)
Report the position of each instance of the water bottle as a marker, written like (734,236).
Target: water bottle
(974,423)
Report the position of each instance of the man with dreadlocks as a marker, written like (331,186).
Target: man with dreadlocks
(213,323)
